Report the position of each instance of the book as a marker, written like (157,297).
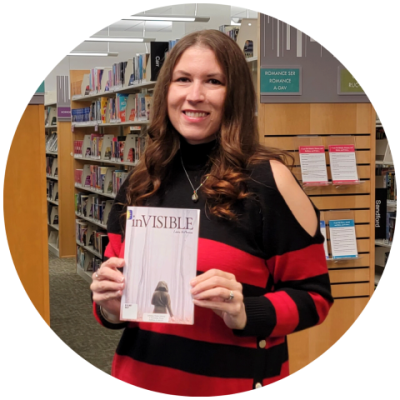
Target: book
(158,51)
(160,261)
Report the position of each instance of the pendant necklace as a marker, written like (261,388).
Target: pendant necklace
(195,196)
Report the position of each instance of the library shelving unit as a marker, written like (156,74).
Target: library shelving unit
(52,175)
(98,170)
(59,184)
(385,183)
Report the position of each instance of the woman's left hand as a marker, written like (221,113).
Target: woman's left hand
(214,290)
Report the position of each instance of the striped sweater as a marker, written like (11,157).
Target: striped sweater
(285,286)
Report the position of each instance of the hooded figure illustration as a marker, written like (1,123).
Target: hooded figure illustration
(161,300)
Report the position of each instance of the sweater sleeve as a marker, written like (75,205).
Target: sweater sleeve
(298,293)
(115,232)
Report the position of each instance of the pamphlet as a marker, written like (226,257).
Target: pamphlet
(343,164)
(343,238)
(160,261)
(313,165)
(323,231)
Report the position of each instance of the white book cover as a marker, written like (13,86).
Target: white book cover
(160,261)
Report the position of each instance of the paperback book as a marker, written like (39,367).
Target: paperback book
(160,261)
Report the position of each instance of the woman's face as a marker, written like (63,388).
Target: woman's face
(196,95)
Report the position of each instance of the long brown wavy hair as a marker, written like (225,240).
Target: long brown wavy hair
(238,137)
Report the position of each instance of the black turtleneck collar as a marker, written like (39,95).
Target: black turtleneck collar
(195,156)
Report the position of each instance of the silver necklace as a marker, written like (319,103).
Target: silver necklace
(195,196)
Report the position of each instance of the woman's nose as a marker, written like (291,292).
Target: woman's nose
(196,92)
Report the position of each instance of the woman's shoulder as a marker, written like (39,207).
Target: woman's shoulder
(265,173)
(287,191)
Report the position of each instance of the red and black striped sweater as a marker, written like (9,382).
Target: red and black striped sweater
(285,285)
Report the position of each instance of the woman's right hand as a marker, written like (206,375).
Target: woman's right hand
(107,286)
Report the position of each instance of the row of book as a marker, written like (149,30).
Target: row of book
(93,206)
(391,225)
(230,30)
(86,260)
(91,236)
(51,166)
(53,238)
(106,180)
(140,68)
(111,148)
(385,178)
(50,117)
(51,142)
(52,190)
(52,214)
(121,108)
(380,134)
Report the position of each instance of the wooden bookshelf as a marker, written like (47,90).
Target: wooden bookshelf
(79,130)
(352,281)
(65,228)
(25,208)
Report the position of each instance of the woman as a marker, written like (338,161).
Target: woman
(161,299)
(262,272)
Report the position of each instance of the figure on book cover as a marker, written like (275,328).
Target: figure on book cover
(161,299)
(261,270)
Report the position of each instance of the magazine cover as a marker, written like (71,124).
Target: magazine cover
(160,261)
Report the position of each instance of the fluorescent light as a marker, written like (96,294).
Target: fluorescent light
(235,23)
(172,18)
(93,54)
(119,39)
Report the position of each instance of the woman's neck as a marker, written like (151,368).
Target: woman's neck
(195,156)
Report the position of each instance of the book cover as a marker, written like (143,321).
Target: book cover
(160,261)
(157,57)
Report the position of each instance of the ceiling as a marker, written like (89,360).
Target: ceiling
(137,29)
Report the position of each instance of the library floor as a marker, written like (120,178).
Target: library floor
(71,315)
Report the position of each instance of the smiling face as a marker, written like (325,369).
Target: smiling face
(196,95)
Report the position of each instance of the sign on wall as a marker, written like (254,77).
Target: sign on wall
(280,81)
(38,95)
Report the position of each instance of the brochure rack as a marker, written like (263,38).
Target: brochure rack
(338,215)
(326,161)
(311,155)
(342,161)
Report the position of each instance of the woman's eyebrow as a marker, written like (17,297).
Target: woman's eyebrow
(210,75)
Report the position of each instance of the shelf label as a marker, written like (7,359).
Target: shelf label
(280,81)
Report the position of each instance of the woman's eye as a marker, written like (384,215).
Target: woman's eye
(215,82)
(182,79)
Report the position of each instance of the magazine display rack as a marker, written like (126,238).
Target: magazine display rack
(330,217)
(105,149)
(334,165)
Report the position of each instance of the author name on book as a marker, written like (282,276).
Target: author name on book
(163,222)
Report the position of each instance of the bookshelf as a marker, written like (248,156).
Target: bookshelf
(385,192)
(51,140)
(105,148)
(59,183)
